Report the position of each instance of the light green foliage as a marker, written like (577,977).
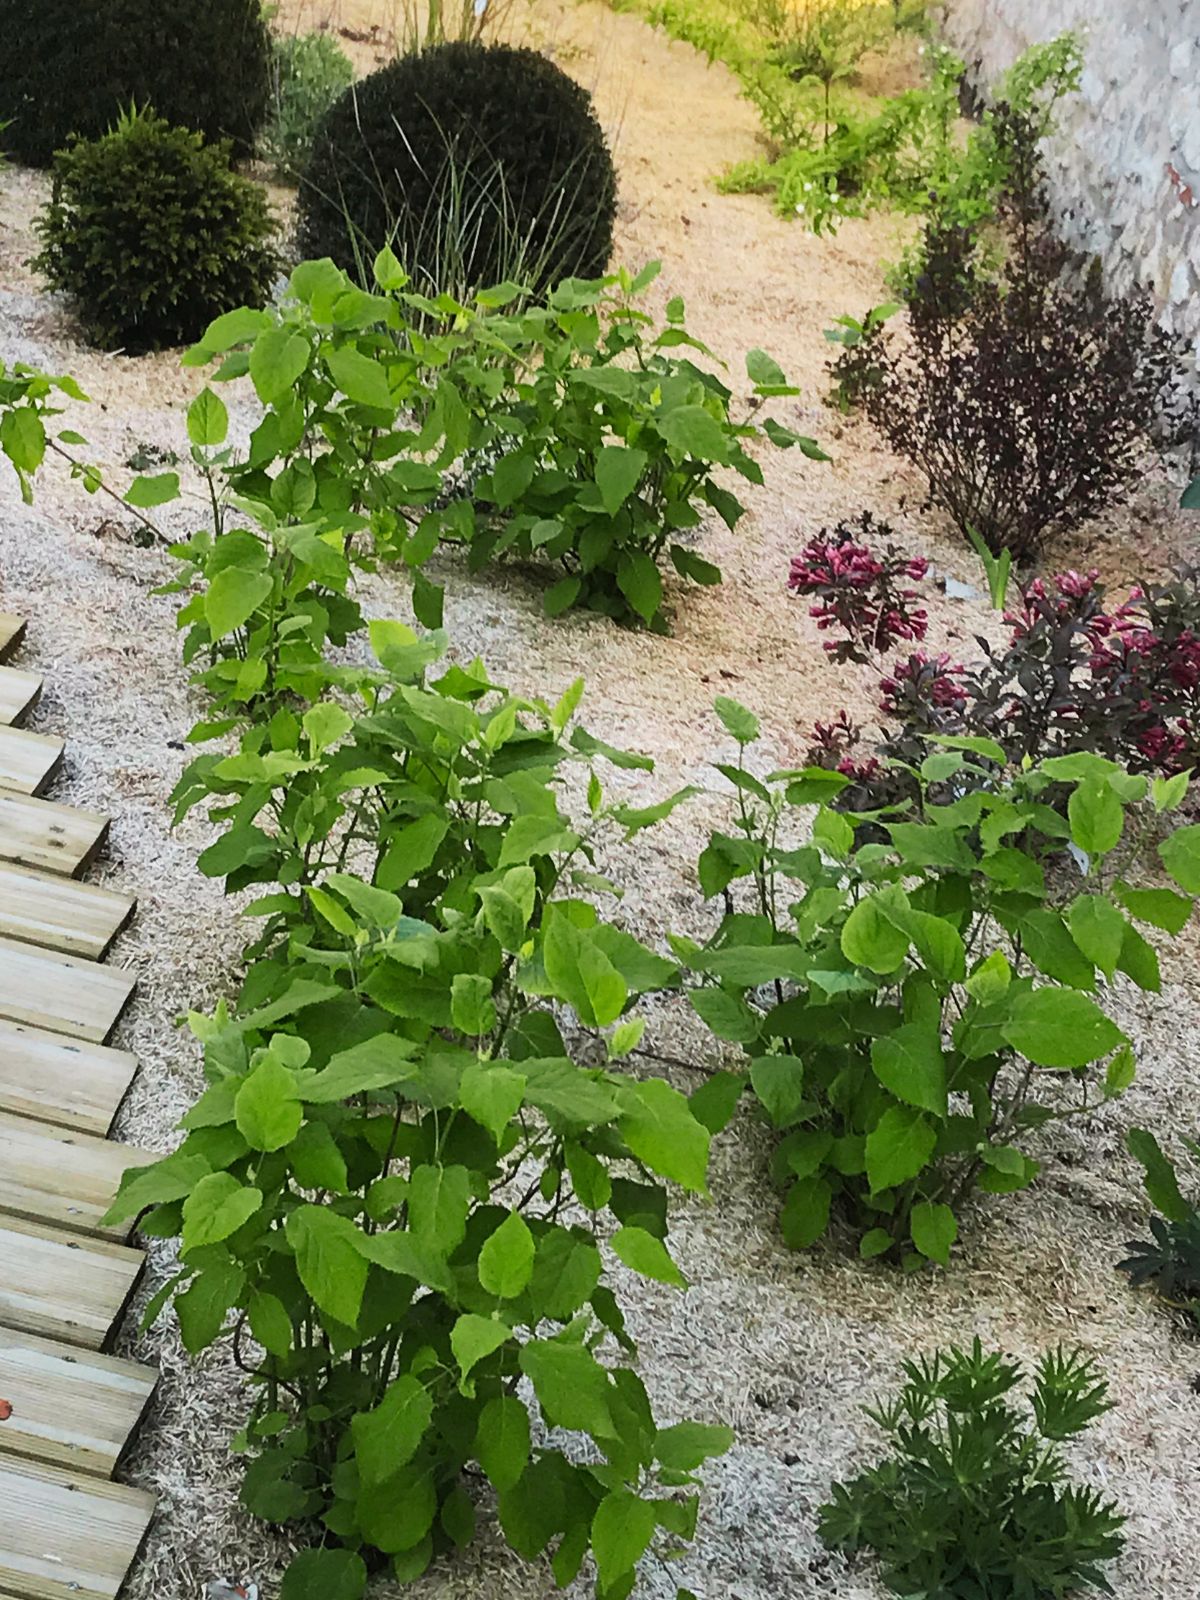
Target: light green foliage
(835,150)
(574,434)
(378,1184)
(967,178)
(27,402)
(309,71)
(917,993)
(975,1498)
(609,439)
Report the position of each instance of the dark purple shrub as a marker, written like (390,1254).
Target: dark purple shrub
(1025,396)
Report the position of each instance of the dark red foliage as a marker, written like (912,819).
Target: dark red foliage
(1074,675)
(923,681)
(833,745)
(1025,397)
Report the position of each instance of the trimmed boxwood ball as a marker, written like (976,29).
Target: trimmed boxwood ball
(151,235)
(475,163)
(73,66)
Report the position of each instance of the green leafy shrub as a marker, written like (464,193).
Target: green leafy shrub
(833,150)
(570,433)
(72,69)
(1169,1261)
(151,234)
(974,1501)
(916,1006)
(474,163)
(856,153)
(968,179)
(309,72)
(608,445)
(850,333)
(398,1178)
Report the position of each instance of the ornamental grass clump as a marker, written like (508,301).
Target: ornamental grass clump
(308,73)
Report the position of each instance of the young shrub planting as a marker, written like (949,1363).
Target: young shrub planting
(572,433)
(974,1498)
(969,179)
(850,376)
(73,69)
(391,1198)
(151,234)
(1169,1261)
(1023,398)
(609,444)
(308,73)
(915,1009)
(833,149)
(474,163)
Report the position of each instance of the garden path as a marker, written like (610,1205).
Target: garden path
(67,1412)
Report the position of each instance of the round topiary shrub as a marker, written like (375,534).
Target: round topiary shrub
(475,163)
(72,66)
(152,235)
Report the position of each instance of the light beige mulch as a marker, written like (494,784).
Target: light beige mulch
(784,1347)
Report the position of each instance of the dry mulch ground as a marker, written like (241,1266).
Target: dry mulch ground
(783,1347)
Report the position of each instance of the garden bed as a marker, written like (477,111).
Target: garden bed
(782,1346)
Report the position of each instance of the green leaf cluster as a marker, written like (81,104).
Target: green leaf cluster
(1169,1261)
(393,1193)
(573,434)
(975,1498)
(27,402)
(918,991)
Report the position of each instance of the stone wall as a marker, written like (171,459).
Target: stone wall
(1125,166)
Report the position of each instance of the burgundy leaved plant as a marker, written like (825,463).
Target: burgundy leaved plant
(1075,674)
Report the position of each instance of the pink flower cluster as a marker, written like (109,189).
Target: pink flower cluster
(832,744)
(1056,600)
(863,595)
(934,679)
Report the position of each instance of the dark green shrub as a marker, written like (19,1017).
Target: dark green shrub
(974,1502)
(152,235)
(70,68)
(1169,1261)
(475,163)
(309,72)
